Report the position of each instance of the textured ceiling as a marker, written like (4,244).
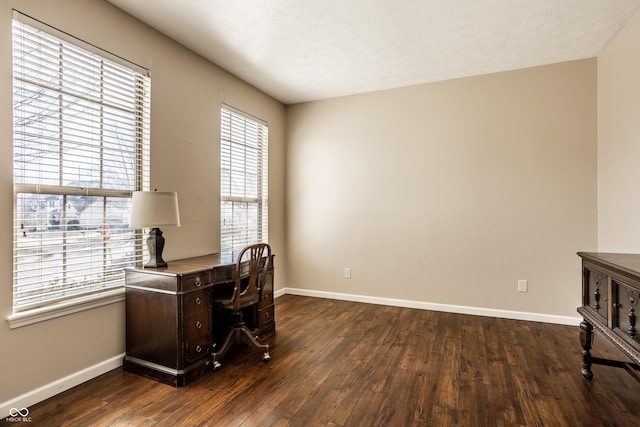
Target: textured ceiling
(302,50)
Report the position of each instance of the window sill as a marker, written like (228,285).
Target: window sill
(75,305)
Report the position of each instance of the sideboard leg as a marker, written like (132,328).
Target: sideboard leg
(586,340)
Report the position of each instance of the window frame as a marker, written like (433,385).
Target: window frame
(138,179)
(243,130)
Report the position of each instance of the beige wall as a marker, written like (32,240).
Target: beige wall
(619,142)
(186,96)
(448,192)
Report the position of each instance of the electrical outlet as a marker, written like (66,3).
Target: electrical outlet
(347,273)
(522,286)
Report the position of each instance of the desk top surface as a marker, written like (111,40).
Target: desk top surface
(221,260)
(209,261)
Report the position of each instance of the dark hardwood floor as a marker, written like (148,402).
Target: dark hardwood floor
(337,363)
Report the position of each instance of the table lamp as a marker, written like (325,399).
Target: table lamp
(154,209)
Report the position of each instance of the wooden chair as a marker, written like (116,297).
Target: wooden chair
(246,292)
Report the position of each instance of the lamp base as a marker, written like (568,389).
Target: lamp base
(155,245)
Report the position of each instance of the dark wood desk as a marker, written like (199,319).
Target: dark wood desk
(170,325)
(610,292)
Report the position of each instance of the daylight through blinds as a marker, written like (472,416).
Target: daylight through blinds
(80,147)
(244,184)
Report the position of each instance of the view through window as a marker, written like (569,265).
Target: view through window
(244,183)
(80,147)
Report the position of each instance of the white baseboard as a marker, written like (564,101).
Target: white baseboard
(479,311)
(49,390)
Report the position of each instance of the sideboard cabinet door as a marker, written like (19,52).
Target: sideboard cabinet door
(596,291)
(625,308)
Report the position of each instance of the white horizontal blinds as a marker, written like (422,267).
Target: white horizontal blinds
(244,180)
(80,147)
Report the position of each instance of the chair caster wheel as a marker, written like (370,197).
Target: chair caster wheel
(216,365)
(266,358)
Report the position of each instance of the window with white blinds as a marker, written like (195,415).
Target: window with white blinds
(244,180)
(80,147)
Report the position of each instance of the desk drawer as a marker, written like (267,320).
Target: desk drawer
(197,304)
(197,342)
(266,298)
(224,274)
(196,280)
(265,315)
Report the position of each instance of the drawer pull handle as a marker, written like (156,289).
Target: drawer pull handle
(198,325)
(198,301)
(267,315)
(197,282)
(198,349)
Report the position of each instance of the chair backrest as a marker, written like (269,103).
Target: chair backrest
(249,281)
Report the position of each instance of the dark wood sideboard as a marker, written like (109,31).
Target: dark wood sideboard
(171,327)
(610,292)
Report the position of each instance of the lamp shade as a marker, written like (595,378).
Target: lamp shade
(153,209)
